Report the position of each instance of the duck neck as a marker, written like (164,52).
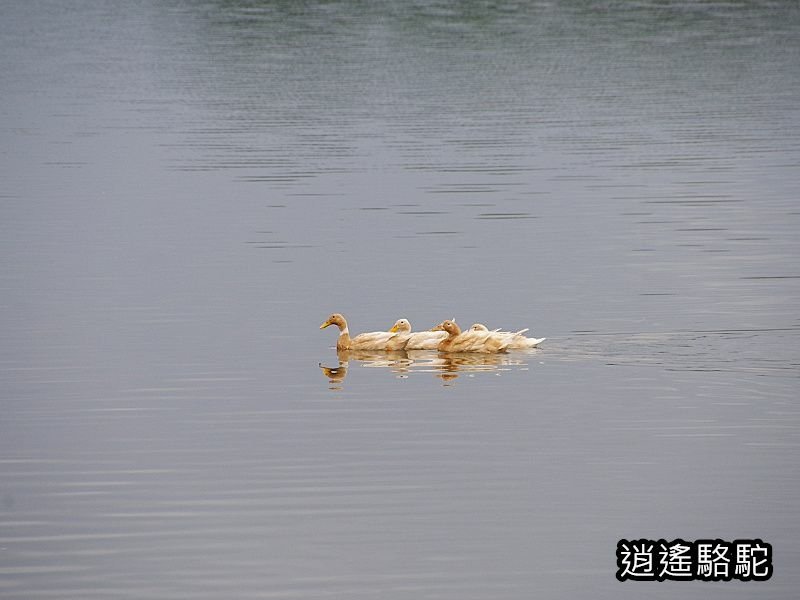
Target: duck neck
(456,330)
(343,343)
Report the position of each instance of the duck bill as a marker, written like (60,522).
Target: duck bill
(325,324)
(393,329)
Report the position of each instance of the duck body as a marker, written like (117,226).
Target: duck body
(470,341)
(425,340)
(375,340)
(419,340)
(517,341)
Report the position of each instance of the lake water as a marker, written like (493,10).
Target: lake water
(187,190)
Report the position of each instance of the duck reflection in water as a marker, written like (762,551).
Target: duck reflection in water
(445,366)
(335,375)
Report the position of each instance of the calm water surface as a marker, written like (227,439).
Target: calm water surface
(188,189)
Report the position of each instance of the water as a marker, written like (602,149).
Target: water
(187,190)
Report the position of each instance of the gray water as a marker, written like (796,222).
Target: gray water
(187,190)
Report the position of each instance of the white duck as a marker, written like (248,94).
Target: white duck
(470,341)
(419,340)
(375,340)
(517,340)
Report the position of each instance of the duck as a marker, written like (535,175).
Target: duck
(408,340)
(376,340)
(518,340)
(470,341)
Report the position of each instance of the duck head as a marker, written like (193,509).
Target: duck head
(401,325)
(449,326)
(335,319)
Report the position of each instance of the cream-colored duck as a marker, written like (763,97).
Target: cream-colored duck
(375,340)
(408,340)
(470,341)
(518,341)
